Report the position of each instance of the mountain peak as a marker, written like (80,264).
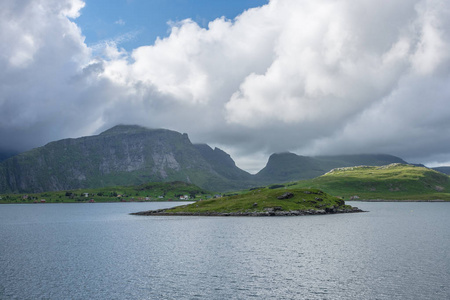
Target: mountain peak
(122,128)
(286,154)
(135,129)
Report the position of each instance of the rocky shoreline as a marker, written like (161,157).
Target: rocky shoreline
(267,213)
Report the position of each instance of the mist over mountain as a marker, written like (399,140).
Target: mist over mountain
(129,155)
(4,155)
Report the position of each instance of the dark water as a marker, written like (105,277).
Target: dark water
(98,251)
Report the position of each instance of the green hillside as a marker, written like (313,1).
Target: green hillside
(391,182)
(157,191)
(328,163)
(264,201)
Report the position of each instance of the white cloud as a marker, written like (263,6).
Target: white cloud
(316,77)
(41,52)
(70,9)
(120,22)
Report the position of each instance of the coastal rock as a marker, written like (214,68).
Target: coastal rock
(331,210)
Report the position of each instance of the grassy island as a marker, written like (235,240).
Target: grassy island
(267,201)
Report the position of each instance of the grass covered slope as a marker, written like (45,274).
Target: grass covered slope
(264,202)
(391,182)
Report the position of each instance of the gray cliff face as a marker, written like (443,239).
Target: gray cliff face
(165,161)
(122,158)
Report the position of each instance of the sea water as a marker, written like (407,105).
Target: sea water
(99,251)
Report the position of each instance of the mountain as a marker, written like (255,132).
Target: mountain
(131,155)
(445,170)
(222,163)
(283,167)
(394,181)
(122,155)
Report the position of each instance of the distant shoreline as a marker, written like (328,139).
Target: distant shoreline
(359,200)
(86,202)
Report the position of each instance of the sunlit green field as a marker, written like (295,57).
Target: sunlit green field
(392,182)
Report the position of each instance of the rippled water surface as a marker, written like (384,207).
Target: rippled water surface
(98,251)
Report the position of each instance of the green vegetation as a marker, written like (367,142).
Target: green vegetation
(391,182)
(171,191)
(266,201)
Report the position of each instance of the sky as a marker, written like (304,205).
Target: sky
(252,77)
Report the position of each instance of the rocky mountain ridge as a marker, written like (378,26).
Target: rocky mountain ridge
(130,155)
